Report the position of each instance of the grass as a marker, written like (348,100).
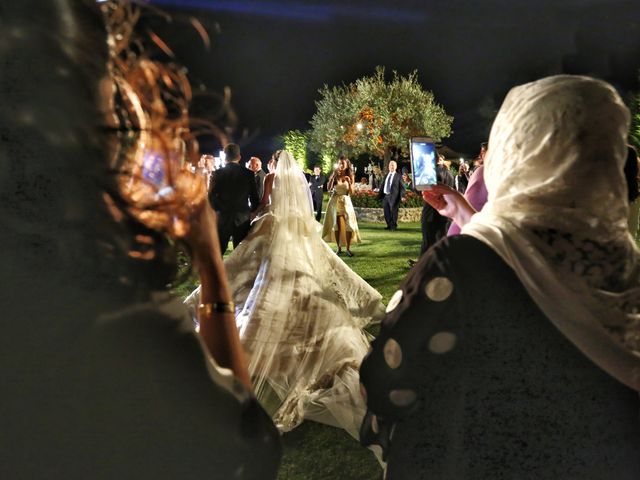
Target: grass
(318,452)
(381,258)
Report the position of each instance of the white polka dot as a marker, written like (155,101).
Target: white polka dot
(392,353)
(402,398)
(442,342)
(363,392)
(374,424)
(438,289)
(395,300)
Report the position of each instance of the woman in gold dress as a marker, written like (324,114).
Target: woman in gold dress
(340,223)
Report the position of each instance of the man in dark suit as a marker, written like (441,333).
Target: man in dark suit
(434,226)
(392,193)
(316,182)
(255,165)
(233,195)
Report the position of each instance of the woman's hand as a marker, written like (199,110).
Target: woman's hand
(449,203)
(347,180)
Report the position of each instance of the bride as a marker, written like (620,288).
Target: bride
(300,310)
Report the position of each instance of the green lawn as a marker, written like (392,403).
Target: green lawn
(381,258)
(319,452)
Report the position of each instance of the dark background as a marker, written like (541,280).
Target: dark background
(275,55)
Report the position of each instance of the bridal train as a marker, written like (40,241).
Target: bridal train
(300,311)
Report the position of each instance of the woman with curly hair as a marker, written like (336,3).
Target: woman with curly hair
(340,223)
(104,374)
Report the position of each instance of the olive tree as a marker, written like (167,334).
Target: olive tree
(374,116)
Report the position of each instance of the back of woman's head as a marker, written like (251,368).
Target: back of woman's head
(285,162)
(71,164)
(559,143)
(557,213)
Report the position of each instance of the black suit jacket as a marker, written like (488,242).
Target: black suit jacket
(315,185)
(233,187)
(259,177)
(397,190)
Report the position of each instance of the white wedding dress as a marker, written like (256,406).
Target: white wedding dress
(300,311)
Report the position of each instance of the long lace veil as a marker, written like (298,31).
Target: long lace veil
(303,316)
(291,196)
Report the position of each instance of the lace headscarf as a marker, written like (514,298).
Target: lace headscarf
(557,214)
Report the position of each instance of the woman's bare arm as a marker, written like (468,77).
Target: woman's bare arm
(218,330)
(268,187)
(349,181)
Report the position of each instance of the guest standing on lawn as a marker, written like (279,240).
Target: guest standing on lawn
(391,193)
(476,191)
(340,224)
(511,351)
(233,195)
(255,165)
(316,185)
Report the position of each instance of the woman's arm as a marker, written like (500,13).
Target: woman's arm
(268,187)
(330,183)
(332,180)
(349,181)
(217,329)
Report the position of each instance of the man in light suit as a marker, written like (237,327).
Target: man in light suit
(392,193)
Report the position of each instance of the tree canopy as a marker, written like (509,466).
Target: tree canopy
(295,142)
(373,116)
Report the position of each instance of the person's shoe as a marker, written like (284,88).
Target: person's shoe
(412,262)
(339,251)
(387,228)
(349,253)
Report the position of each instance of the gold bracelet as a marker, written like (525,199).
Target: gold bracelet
(216,307)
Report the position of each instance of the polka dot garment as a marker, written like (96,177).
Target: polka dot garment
(469,380)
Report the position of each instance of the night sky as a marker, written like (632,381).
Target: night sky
(275,55)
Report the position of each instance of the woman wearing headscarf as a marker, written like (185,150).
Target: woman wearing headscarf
(103,374)
(511,351)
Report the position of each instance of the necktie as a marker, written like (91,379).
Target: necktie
(387,187)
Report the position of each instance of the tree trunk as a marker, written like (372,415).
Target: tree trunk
(387,159)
